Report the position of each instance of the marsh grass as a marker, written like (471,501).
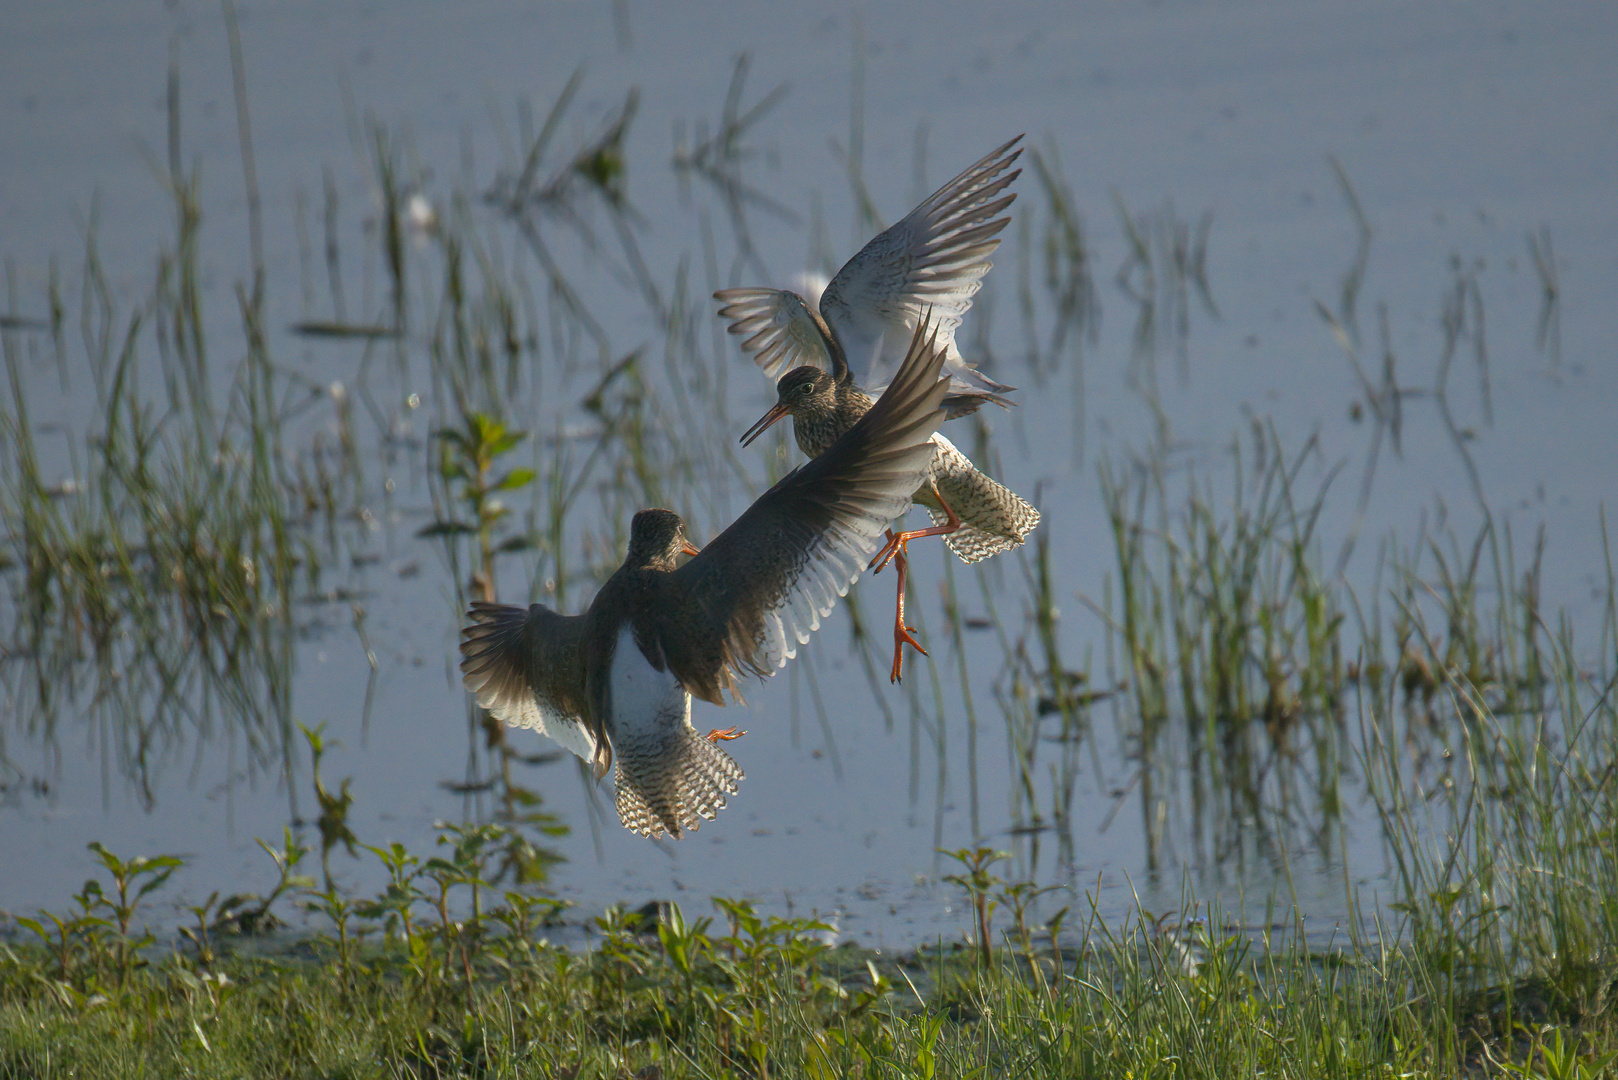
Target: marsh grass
(1519,780)
(1501,967)
(154,565)
(155,584)
(1066,263)
(1165,265)
(1229,638)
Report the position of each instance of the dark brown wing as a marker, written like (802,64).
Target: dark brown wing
(762,586)
(525,667)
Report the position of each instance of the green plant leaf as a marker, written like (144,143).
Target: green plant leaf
(516,478)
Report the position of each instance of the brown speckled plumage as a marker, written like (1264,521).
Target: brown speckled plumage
(664,787)
(616,682)
(988,517)
(993,517)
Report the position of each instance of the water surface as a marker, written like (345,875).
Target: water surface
(1460,132)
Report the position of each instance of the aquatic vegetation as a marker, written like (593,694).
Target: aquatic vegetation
(430,975)
(526,359)
(155,572)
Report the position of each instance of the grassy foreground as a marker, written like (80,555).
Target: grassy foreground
(443,974)
(759,1001)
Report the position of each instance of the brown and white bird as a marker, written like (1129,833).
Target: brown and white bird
(976,515)
(934,260)
(615,683)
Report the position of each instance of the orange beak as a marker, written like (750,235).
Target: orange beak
(777,411)
(689,548)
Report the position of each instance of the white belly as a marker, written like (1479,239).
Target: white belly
(646,703)
(669,777)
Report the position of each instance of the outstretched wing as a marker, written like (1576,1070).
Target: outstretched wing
(762,586)
(784,332)
(936,257)
(525,667)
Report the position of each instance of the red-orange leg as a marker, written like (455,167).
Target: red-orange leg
(896,548)
(898,542)
(724,734)
(901,632)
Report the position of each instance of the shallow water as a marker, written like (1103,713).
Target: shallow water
(1461,132)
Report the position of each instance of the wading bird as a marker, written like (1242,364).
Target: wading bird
(933,260)
(615,683)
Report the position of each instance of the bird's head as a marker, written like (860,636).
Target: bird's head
(804,392)
(655,537)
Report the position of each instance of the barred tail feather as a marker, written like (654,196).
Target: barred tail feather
(972,545)
(1013,520)
(673,789)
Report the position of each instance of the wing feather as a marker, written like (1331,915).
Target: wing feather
(936,256)
(763,585)
(785,332)
(524,666)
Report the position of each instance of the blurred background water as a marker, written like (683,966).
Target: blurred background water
(1324,288)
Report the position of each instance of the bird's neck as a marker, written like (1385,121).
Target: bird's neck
(853,401)
(820,422)
(658,560)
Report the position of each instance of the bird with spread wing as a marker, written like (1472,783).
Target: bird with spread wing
(837,358)
(614,684)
